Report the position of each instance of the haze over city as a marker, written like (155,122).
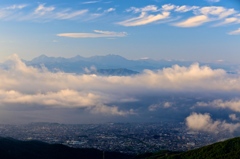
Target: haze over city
(121,61)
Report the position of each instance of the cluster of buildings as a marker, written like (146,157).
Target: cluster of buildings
(132,138)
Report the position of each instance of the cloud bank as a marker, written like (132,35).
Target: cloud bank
(29,87)
(233,104)
(204,122)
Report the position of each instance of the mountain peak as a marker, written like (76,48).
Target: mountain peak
(40,58)
(43,59)
(43,56)
(109,57)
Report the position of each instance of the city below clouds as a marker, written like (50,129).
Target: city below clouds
(202,94)
(28,88)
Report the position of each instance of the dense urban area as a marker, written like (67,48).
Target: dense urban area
(132,138)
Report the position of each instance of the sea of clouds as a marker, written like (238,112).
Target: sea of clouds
(26,88)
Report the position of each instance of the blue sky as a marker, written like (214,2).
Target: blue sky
(183,30)
(197,30)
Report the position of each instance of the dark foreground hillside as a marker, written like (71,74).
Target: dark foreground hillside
(15,149)
(229,149)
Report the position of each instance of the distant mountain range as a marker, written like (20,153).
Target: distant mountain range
(107,65)
(15,149)
(114,72)
(110,64)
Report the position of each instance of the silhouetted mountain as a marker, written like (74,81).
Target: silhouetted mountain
(15,149)
(46,59)
(108,59)
(115,72)
(104,64)
(111,64)
(229,149)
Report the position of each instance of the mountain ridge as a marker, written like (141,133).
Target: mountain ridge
(79,64)
(15,149)
(228,149)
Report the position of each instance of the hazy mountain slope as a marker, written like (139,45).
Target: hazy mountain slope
(116,72)
(15,149)
(78,64)
(229,149)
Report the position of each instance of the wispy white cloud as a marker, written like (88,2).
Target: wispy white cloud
(42,10)
(204,122)
(185,8)
(109,10)
(168,7)
(3,14)
(204,15)
(201,15)
(16,6)
(148,14)
(213,1)
(69,15)
(166,13)
(96,34)
(220,12)
(193,21)
(11,10)
(231,20)
(149,8)
(90,2)
(235,32)
(51,13)
(144,19)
